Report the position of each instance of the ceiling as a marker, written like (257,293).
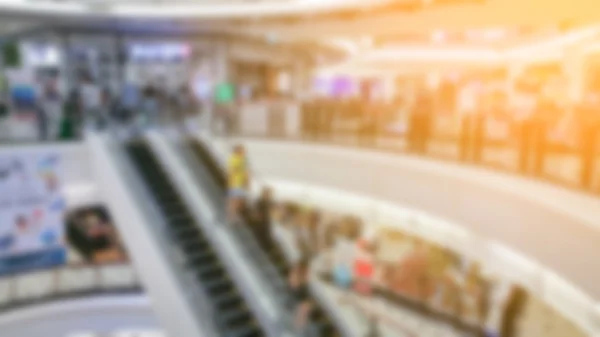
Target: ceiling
(571,46)
(383,26)
(488,14)
(386,21)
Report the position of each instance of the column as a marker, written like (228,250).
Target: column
(301,79)
(220,59)
(574,68)
(220,73)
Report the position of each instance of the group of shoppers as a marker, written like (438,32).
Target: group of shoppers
(392,265)
(88,105)
(258,216)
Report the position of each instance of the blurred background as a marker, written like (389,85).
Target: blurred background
(410,168)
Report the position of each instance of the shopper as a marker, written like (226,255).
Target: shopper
(302,303)
(130,101)
(70,126)
(262,224)
(51,105)
(150,106)
(238,180)
(107,110)
(91,99)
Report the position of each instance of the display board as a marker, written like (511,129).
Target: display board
(159,52)
(92,237)
(31,212)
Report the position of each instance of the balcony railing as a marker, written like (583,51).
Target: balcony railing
(534,147)
(67,282)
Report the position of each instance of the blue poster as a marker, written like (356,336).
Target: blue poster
(32,209)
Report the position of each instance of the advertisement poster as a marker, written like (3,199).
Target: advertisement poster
(32,211)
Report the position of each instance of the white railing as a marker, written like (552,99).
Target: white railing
(499,260)
(65,282)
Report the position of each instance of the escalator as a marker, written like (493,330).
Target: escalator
(274,253)
(278,259)
(232,316)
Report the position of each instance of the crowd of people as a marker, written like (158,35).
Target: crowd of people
(325,116)
(258,215)
(89,105)
(387,263)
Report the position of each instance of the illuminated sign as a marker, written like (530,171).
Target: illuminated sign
(41,55)
(159,51)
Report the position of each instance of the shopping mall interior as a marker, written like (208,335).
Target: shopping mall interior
(299,168)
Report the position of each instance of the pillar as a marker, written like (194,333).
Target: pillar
(574,68)
(220,60)
(301,79)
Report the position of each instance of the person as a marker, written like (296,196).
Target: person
(91,99)
(107,108)
(343,253)
(307,232)
(130,100)
(150,105)
(70,123)
(262,224)
(302,302)
(238,180)
(52,108)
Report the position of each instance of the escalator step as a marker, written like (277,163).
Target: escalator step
(168,197)
(187,225)
(202,257)
(193,246)
(166,193)
(183,232)
(236,317)
(234,304)
(172,207)
(244,331)
(226,300)
(211,272)
(221,289)
(224,297)
(183,218)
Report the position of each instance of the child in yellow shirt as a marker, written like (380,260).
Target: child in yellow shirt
(237,180)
